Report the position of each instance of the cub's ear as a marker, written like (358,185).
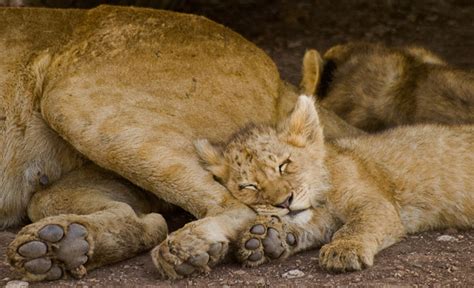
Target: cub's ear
(312,70)
(302,127)
(212,158)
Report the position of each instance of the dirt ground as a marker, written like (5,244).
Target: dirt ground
(284,29)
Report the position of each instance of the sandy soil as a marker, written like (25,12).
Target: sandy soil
(284,29)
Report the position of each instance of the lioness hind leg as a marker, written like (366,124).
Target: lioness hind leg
(87,220)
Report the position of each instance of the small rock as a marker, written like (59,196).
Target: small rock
(453,268)
(240,272)
(293,274)
(261,281)
(126,266)
(446,238)
(17,284)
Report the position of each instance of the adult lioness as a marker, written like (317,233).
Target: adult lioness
(127,89)
(362,194)
(375,87)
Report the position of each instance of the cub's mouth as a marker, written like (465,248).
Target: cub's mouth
(296,212)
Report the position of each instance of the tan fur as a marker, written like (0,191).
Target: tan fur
(374,87)
(366,191)
(128,89)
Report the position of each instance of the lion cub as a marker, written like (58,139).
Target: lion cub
(362,194)
(374,87)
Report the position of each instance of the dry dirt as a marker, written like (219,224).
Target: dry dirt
(284,29)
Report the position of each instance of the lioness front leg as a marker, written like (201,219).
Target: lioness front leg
(272,237)
(371,224)
(84,221)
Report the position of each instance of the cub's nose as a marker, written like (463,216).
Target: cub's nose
(286,204)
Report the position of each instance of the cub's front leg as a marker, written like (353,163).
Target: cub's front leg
(201,244)
(272,237)
(371,223)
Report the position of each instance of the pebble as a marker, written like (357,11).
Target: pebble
(446,238)
(17,284)
(261,281)
(293,274)
(240,272)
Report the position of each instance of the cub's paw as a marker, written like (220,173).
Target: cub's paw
(345,255)
(268,238)
(50,251)
(189,250)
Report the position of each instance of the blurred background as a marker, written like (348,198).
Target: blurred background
(285,28)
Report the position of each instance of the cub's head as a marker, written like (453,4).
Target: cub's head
(274,170)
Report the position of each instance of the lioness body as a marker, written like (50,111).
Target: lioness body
(375,87)
(364,193)
(127,89)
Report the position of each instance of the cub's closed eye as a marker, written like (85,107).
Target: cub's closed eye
(248,186)
(284,165)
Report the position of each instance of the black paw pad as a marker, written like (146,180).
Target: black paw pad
(255,256)
(185,269)
(252,244)
(258,229)
(51,233)
(215,249)
(199,260)
(33,249)
(290,239)
(54,273)
(38,265)
(272,244)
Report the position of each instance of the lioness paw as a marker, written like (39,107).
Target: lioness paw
(50,251)
(267,239)
(188,251)
(345,255)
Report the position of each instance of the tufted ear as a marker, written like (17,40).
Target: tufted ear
(302,127)
(312,71)
(212,159)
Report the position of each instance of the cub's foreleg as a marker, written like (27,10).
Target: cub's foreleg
(88,219)
(272,237)
(371,223)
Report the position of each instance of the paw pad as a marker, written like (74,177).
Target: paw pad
(51,233)
(54,250)
(252,244)
(33,249)
(268,239)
